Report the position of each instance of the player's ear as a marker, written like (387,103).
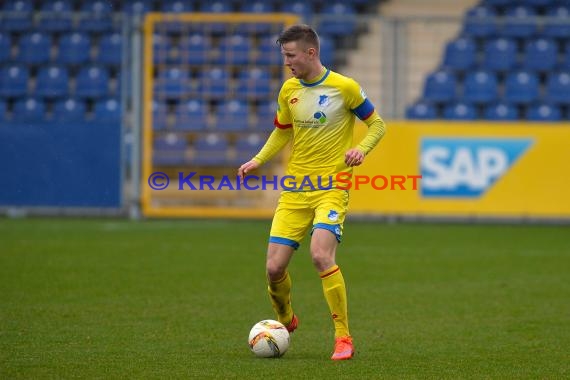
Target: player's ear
(312,52)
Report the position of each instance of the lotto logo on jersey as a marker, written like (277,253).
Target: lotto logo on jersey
(466,168)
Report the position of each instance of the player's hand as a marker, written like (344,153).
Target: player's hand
(353,157)
(247,167)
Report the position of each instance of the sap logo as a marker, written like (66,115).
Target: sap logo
(466,168)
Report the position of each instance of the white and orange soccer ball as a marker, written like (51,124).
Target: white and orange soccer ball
(268,339)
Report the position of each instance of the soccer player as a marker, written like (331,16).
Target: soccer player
(316,110)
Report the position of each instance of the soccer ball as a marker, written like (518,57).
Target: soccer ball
(268,339)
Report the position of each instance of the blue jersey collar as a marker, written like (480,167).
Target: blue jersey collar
(317,82)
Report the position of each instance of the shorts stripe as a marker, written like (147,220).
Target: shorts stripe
(284,241)
(334,228)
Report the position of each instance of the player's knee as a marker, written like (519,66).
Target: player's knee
(322,258)
(275,271)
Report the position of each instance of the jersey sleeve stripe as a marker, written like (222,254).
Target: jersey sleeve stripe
(364,110)
(281,126)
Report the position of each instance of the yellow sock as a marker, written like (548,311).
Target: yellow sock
(335,294)
(280,295)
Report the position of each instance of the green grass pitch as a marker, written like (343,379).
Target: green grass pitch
(115,299)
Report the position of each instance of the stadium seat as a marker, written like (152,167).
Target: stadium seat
(52,82)
(537,3)
(480,21)
(480,87)
(172,83)
(137,7)
(232,115)
(254,83)
(191,115)
(107,111)
(265,115)
(268,52)
(520,22)
(496,3)
(69,111)
(110,49)
(178,6)
(565,64)
(92,82)
(422,111)
(543,112)
(540,54)
(301,8)
(74,49)
(193,49)
(440,86)
(521,87)
(34,48)
(29,110)
(55,16)
(215,83)
(246,147)
(327,50)
(3,110)
(499,54)
(234,50)
(5,47)
(216,7)
(256,7)
(17,15)
(170,150)
(159,115)
(558,22)
(210,150)
(459,111)
(460,54)
(14,80)
(95,16)
(161,49)
(501,112)
(337,19)
(558,88)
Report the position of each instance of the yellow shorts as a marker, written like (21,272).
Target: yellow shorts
(297,211)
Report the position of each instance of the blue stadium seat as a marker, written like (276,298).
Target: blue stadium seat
(422,111)
(216,7)
(34,48)
(3,110)
(265,115)
(337,19)
(5,47)
(17,15)
(537,3)
(301,8)
(29,110)
(459,111)
(110,49)
(232,115)
(558,88)
(480,87)
(268,52)
(215,83)
(170,150)
(521,87)
(161,49)
(496,3)
(210,150)
(543,112)
(499,54)
(501,112)
(193,49)
(159,115)
(191,115)
(95,16)
(460,54)
(55,16)
(178,6)
(234,50)
(440,86)
(14,80)
(327,50)
(254,83)
(172,83)
(558,22)
(246,147)
(107,111)
(74,49)
(520,22)
(540,54)
(92,82)
(69,111)
(256,7)
(480,21)
(565,65)
(138,7)
(52,82)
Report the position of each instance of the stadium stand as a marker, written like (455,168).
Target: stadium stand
(509,62)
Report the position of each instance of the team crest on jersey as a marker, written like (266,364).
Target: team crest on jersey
(320,116)
(324,100)
(333,216)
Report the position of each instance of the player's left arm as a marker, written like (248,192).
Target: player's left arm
(363,108)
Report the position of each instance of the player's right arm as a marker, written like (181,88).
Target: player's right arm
(276,141)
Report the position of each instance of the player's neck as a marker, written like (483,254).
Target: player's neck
(315,74)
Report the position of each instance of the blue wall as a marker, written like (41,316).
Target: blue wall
(60,166)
